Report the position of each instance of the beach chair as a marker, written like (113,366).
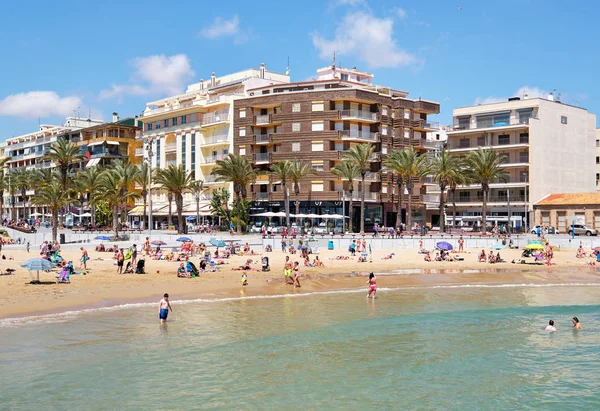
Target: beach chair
(64,277)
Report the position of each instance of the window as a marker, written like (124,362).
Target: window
(242,131)
(493,120)
(318,106)
(503,139)
(384,150)
(464,196)
(525,115)
(193,153)
(296,147)
(464,123)
(184,150)
(317,126)
(242,113)
(464,143)
(524,157)
(344,76)
(174,121)
(563,119)
(317,146)
(295,126)
(481,141)
(183,119)
(524,138)
(317,165)
(317,186)
(384,130)
(225,151)
(504,158)
(384,111)
(242,151)
(166,123)
(296,108)
(597,143)
(158,152)
(384,189)
(597,160)
(406,114)
(157,125)
(149,126)
(406,133)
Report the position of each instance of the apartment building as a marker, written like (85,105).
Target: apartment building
(27,151)
(547,148)
(195,129)
(317,122)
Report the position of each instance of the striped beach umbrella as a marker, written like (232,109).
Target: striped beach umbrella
(37,264)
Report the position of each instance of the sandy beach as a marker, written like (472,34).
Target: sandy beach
(102,286)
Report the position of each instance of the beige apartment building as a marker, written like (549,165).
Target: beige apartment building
(547,148)
(195,129)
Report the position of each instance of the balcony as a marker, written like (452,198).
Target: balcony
(213,140)
(359,115)
(491,199)
(263,138)
(428,198)
(370,176)
(214,119)
(212,180)
(262,158)
(261,196)
(493,125)
(369,196)
(171,148)
(425,106)
(263,119)
(351,135)
(212,159)
(107,154)
(467,144)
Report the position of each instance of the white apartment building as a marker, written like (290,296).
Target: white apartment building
(195,129)
(547,147)
(27,151)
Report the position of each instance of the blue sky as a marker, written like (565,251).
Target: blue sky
(117,55)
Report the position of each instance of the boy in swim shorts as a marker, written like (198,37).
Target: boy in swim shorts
(163,308)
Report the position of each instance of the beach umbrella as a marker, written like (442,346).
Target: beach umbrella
(102,237)
(190,218)
(444,245)
(217,243)
(596,249)
(534,246)
(37,264)
(157,242)
(498,246)
(536,242)
(184,239)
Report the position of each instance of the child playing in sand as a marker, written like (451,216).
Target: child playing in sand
(163,308)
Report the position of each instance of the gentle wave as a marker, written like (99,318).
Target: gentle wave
(66,315)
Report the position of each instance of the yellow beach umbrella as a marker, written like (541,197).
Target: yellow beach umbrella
(535,246)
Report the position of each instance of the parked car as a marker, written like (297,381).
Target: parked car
(581,229)
(547,230)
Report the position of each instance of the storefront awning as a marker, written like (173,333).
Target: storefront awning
(113,143)
(93,162)
(96,143)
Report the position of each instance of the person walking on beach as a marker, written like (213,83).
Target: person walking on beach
(550,328)
(163,308)
(576,324)
(372,283)
(296,277)
(147,246)
(84,258)
(120,261)
(28,247)
(287,270)
(461,244)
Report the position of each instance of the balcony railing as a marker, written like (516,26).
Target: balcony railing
(369,196)
(358,135)
(214,118)
(222,138)
(491,124)
(261,196)
(209,179)
(262,119)
(262,157)
(360,114)
(428,198)
(262,138)
(212,159)
(491,199)
(169,148)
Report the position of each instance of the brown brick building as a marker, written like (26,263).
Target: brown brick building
(316,122)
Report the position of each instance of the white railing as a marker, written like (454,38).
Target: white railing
(369,196)
(262,157)
(428,198)
(223,138)
(365,115)
(170,147)
(214,118)
(357,135)
(171,163)
(262,138)
(263,119)
(212,159)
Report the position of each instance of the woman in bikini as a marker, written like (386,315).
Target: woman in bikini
(372,283)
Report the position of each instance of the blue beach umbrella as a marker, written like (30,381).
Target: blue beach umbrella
(37,264)
(191,218)
(184,239)
(498,247)
(444,245)
(102,237)
(536,242)
(217,243)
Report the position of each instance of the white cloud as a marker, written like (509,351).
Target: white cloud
(401,13)
(350,2)
(367,38)
(530,92)
(157,74)
(38,104)
(222,28)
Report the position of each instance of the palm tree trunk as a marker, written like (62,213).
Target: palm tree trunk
(170,198)
(116,221)
(399,214)
(238,203)
(484,211)
(442,206)
(297,192)
(179,204)
(351,209)
(54,224)
(409,204)
(453,208)
(286,204)
(197,209)
(143,219)
(362,204)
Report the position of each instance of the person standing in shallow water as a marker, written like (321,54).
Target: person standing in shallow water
(372,283)
(163,308)
(576,324)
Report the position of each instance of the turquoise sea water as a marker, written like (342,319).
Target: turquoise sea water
(428,348)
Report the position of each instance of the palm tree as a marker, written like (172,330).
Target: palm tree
(52,196)
(89,181)
(114,188)
(299,171)
(283,171)
(197,188)
(144,182)
(360,155)
(239,171)
(63,154)
(177,182)
(448,174)
(395,163)
(484,167)
(22,179)
(415,166)
(346,169)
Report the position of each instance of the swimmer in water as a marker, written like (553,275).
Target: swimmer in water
(576,324)
(372,283)
(550,328)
